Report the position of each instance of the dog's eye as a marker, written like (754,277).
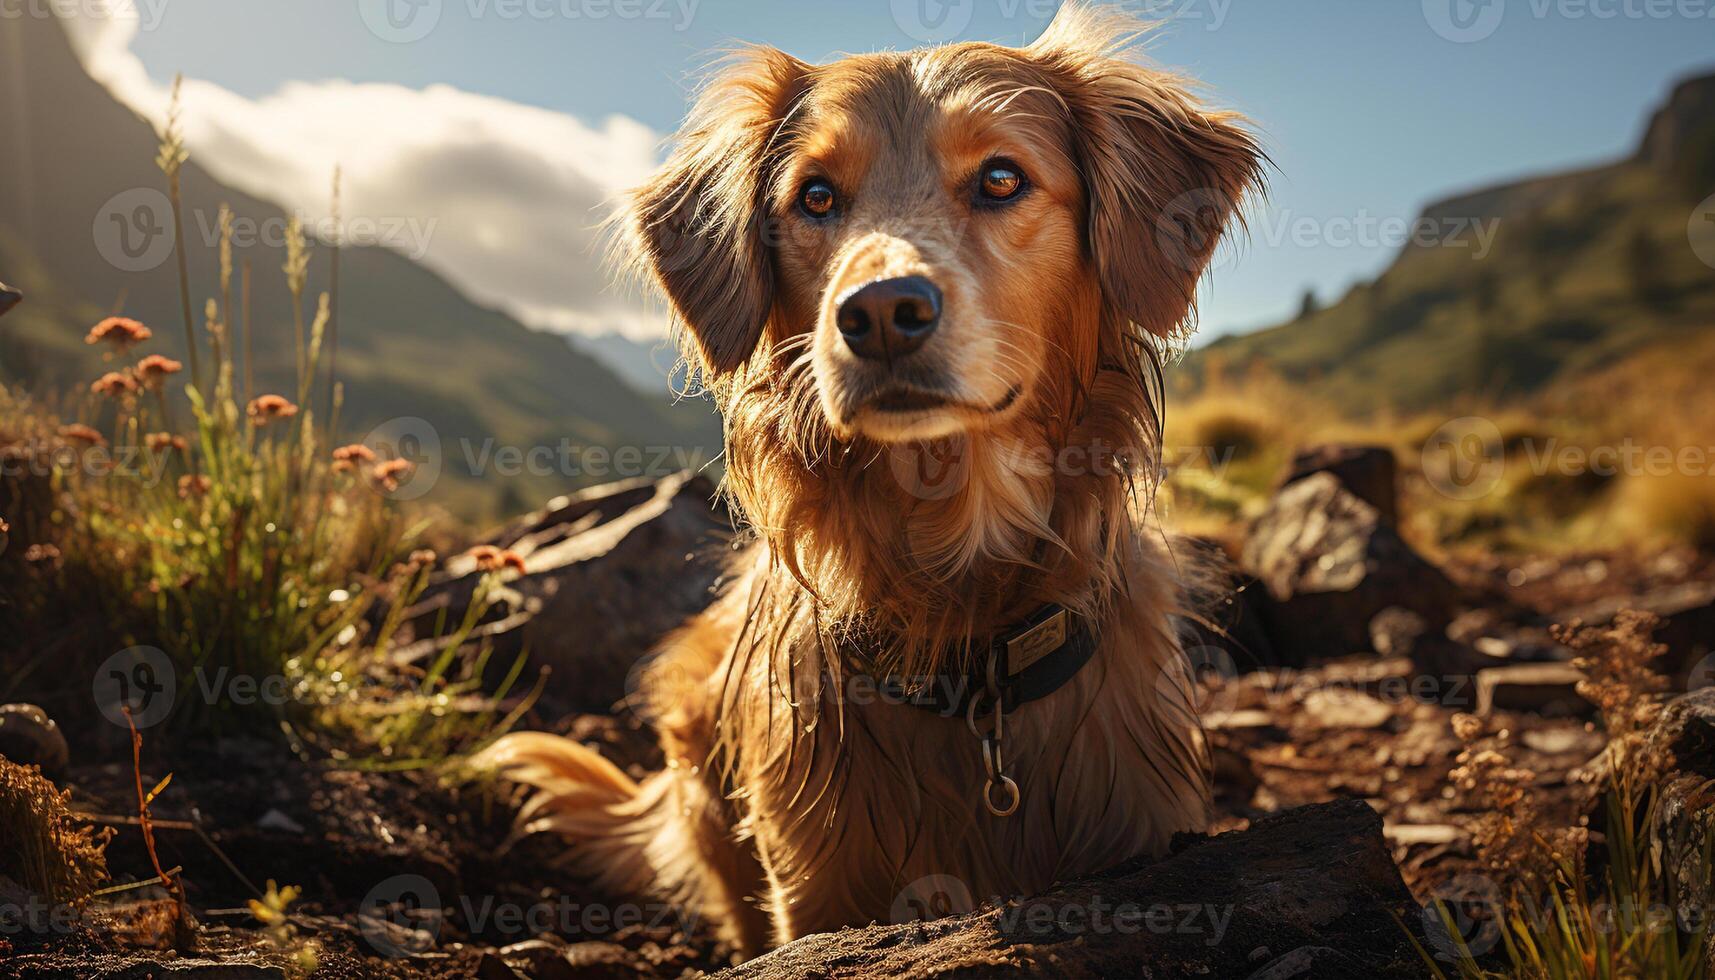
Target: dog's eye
(817,199)
(1001,181)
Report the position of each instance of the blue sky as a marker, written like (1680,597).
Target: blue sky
(1368,109)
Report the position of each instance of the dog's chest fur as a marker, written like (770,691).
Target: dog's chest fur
(865,809)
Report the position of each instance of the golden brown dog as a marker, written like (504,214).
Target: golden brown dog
(929,292)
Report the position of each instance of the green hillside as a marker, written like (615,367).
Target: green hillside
(1586,268)
(409,343)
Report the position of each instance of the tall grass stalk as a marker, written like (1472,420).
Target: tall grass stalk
(333,302)
(171,159)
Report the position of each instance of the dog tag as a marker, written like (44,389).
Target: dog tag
(1035,643)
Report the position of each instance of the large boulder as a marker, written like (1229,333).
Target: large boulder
(1371,473)
(607,572)
(1331,563)
(1224,627)
(1307,893)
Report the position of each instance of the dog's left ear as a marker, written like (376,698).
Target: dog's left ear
(697,227)
(1164,176)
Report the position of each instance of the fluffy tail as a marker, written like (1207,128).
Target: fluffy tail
(666,838)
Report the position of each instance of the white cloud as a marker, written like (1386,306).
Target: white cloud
(503,197)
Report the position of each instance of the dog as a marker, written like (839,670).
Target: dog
(930,293)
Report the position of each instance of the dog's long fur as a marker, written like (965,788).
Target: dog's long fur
(790,806)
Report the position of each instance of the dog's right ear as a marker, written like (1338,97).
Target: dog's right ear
(697,227)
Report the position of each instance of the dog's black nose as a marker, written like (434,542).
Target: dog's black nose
(889,318)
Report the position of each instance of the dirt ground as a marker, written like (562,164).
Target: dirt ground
(244,811)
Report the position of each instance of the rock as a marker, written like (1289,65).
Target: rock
(1407,834)
(1229,721)
(541,959)
(1687,727)
(1370,472)
(1685,810)
(1318,876)
(1562,741)
(1311,963)
(1228,625)
(9,298)
(600,959)
(1446,666)
(608,572)
(1546,689)
(492,967)
(30,738)
(275,820)
(1330,564)
(1677,134)
(137,968)
(1336,707)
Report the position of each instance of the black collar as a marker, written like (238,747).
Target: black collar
(1030,662)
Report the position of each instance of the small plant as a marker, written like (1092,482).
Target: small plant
(273,910)
(1550,915)
(245,543)
(46,850)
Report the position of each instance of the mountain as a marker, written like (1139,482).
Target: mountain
(646,365)
(81,233)
(1585,269)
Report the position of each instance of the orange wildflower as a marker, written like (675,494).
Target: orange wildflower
(152,371)
(492,559)
(163,441)
(264,409)
(387,474)
(357,452)
(194,486)
(113,384)
(121,332)
(79,432)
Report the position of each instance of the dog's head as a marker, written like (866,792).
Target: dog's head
(939,241)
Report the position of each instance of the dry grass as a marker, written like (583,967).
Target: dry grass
(46,850)
(1622,459)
